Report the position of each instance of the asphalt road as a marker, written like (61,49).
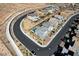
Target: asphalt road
(33,46)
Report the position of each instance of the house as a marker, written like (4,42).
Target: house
(53,22)
(49,9)
(42,32)
(60,18)
(33,16)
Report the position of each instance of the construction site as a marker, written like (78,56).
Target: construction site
(40,32)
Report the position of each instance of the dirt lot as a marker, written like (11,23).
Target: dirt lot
(5,11)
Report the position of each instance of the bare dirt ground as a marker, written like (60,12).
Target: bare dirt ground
(5,11)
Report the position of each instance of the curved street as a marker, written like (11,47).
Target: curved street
(33,47)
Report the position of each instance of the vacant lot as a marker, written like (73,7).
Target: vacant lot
(5,11)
